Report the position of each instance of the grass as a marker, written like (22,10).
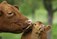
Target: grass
(54,31)
(10,36)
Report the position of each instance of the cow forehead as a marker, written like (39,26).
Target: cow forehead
(5,7)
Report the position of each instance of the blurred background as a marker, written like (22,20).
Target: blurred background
(36,10)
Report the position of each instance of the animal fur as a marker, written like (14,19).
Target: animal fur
(38,31)
(11,20)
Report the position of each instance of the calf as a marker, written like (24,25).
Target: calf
(11,20)
(37,31)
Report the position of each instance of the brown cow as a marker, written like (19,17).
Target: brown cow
(11,20)
(38,31)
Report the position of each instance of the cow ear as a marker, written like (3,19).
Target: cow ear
(47,28)
(16,7)
(4,2)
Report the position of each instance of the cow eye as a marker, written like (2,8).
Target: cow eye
(1,13)
(10,14)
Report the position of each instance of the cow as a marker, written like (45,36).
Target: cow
(11,20)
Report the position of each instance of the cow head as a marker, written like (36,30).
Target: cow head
(11,20)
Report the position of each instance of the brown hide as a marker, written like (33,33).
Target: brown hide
(43,34)
(39,31)
(11,20)
(34,31)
